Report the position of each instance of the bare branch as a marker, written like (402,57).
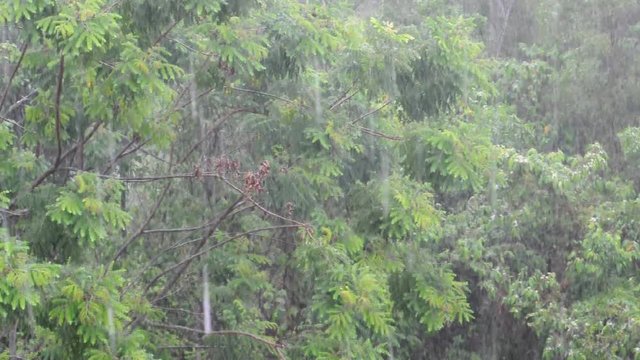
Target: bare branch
(152,213)
(204,93)
(343,98)
(166,32)
(23,51)
(372,112)
(145,179)
(12,122)
(20,102)
(180,243)
(213,128)
(57,105)
(125,152)
(178,347)
(196,249)
(140,230)
(219,244)
(177,230)
(264,210)
(378,134)
(265,94)
(273,345)
(19,212)
(136,148)
(54,167)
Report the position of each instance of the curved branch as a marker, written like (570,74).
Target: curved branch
(217,245)
(264,210)
(227,213)
(272,344)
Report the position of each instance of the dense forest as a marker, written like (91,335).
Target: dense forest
(337,179)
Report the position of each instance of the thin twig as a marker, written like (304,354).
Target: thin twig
(19,212)
(111,6)
(179,347)
(112,161)
(140,230)
(265,94)
(12,122)
(211,231)
(133,323)
(263,209)
(23,51)
(154,156)
(178,310)
(146,179)
(219,244)
(125,152)
(177,230)
(214,127)
(341,100)
(166,32)
(273,345)
(180,243)
(378,134)
(54,167)
(204,93)
(20,102)
(372,112)
(136,148)
(190,48)
(153,212)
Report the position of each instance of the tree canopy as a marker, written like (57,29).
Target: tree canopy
(283,179)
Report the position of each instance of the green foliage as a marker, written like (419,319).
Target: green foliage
(447,67)
(434,297)
(23,280)
(90,207)
(452,158)
(327,180)
(86,316)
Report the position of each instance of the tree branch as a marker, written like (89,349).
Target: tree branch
(214,127)
(271,344)
(20,102)
(124,153)
(166,32)
(265,94)
(196,249)
(145,179)
(54,167)
(57,104)
(343,98)
(140,230)
(180,243)
(177,230)
(371,112)
(12,122)
(217,245)
(264,210)
(20,212)
(23,51)
(378,134)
